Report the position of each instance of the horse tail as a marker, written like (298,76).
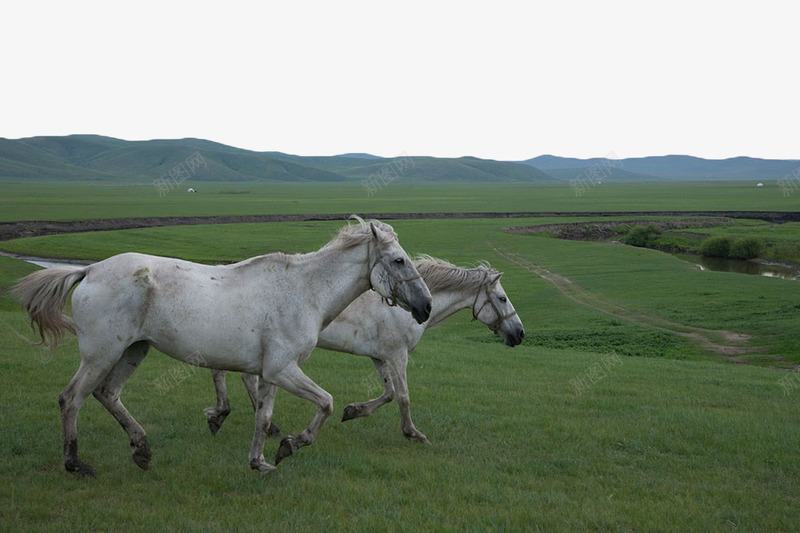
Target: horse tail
(43,294)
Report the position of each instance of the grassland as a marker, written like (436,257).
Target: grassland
(644,282)
(57,201)
(599,421)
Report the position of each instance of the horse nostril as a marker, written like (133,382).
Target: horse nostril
(428,308)
(521,334)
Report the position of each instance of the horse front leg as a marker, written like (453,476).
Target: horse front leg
(293,380)
(216,415)
(265,400)
(358,410)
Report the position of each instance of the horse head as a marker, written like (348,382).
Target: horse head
(493,307)
(394,276)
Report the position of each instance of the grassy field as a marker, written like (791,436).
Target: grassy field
(58,201)
(643,283)
(612,415)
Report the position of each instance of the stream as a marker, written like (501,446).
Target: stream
(741,266)
(48,262)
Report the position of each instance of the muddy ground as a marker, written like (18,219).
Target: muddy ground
(603,230)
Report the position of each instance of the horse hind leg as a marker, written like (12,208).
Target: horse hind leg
(91,372)
(70,401)
(216,415)
(358,410)
(400,377)
(108,394)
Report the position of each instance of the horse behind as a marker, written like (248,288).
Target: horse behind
(387,335)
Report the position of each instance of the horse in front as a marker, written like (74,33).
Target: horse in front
(261,316)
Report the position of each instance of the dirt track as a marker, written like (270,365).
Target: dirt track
(726,343)
(14,230)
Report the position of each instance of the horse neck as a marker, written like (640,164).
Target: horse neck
(450,301)
(336,277)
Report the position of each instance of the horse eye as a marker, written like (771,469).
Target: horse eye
(400,261)
(503,299)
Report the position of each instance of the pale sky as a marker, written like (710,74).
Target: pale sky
(498,80)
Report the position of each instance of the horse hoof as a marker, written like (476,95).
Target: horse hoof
(142,456)
(87,472)
(352,411)
(142,461)
(271,471)
(81,470)
(285,450)
(263,467)
(274,430)
(267,469)
(215,418)
(214,425)
(417,437)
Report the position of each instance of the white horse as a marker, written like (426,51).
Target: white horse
(260,316)
(387,336)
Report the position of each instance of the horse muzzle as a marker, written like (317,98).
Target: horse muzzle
(514,338)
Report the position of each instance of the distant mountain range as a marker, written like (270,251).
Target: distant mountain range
(97,158)
(668,168)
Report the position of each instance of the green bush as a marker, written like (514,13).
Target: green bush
(746,248)
(716,247)
(643,236)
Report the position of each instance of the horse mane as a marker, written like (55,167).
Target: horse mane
(349,236)
(355,234)
(440,275)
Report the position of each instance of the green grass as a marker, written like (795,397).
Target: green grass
(641,280)
(649,443)
(59,201)
(595,422)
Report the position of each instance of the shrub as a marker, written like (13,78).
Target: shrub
(716,247)
(643,236)
(746,248)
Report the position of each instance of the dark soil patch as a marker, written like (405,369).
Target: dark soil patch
(590,231)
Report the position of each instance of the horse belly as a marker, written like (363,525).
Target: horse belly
(207,329)
(225,351)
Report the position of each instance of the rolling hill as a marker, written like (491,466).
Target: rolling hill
(91,157)
(98,158)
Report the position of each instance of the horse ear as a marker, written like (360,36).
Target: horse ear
(494,279)
(374,230)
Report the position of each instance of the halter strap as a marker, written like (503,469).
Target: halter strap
(391,300)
